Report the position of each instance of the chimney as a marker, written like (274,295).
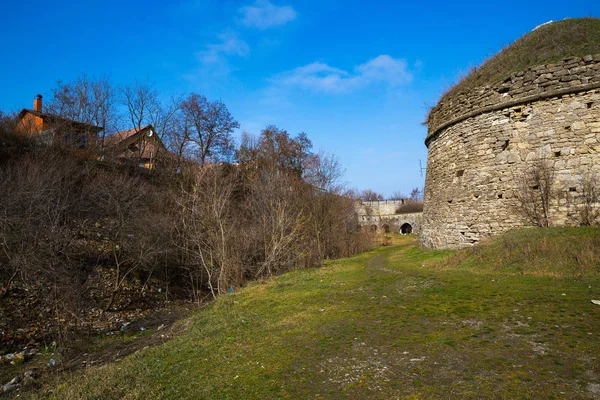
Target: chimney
(37,103)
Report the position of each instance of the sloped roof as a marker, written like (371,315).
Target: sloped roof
(151,147)
(58,119)
(118,137)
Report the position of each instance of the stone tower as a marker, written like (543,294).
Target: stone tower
(536,103)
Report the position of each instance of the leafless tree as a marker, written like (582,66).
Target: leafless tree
(416,194)
(212,126)
(398,195)
(164,117)
(280,220)
(38,232)
(123,201)
(206,228)
(535,191)
(87,100)
(370,195)
(139,99)
(586,202)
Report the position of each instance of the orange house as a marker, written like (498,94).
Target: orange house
(139,146)
(55,130)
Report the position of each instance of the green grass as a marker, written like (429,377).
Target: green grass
(393,323)
(559,252)
(547,44)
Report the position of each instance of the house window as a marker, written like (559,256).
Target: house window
(76,139)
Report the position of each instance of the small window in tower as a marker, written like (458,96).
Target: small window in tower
(460,172)
(572,189)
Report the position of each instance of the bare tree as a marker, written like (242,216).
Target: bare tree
(207,226)
(586,202)
(164,117)
(535,191)
(416,194)
(398,195)
(180,138)
(275,206)
(212,126)
(87,100)
(370,195)
(139,99)
(132,245)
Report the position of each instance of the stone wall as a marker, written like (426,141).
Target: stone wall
(381,216)
(569,75)
(480,146)
(382,207)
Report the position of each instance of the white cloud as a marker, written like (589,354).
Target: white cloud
(263,15)
(318,76)
(229,44)
(385,69)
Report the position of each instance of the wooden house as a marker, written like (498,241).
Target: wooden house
(55,130)
(138,146)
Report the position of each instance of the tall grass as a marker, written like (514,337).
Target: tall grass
(559,252)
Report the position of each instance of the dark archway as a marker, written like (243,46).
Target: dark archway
(386,228)
(406,228)
(373,228)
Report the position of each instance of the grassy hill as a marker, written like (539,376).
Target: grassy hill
(393,323)
(546,44)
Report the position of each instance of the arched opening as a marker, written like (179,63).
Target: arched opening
(373,228)
(386,228)
(406,228)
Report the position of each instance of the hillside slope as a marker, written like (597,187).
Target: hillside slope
(572,37)
(397,322)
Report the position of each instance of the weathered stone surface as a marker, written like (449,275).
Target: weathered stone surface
(382,216)
(560,128)
(538,80)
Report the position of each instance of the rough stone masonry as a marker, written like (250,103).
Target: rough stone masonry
(482,142)
(386,216)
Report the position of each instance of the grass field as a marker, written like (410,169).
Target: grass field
(392,323)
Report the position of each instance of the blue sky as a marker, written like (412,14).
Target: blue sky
(356,76)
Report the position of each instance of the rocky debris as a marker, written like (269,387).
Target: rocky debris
(594,389)
(17,358)
(125,327)
(19,380)
(9,387)
(30,375)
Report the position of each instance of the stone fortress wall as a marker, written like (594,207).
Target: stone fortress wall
(481,143)
(381,216)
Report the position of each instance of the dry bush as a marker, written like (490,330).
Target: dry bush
(279,222)
(586,203)
(410,206)
(205,230)
(65,219)
(137,232)
(535,191)
(39,230)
